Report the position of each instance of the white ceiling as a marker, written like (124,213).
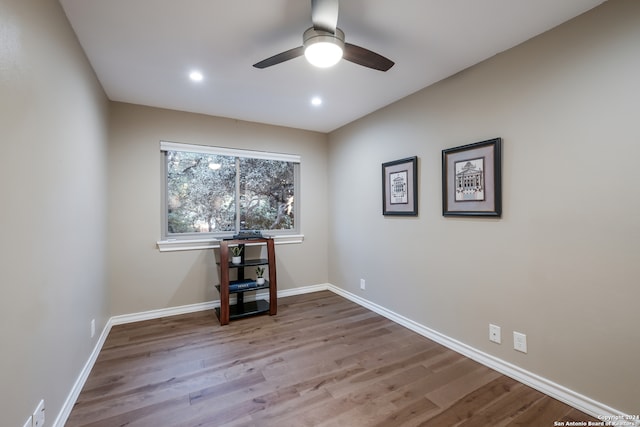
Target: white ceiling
(143,50)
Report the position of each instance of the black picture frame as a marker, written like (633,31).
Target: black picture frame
(472,179)
(400,187)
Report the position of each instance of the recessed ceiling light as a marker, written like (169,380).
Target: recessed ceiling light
(316,100)
(196,76)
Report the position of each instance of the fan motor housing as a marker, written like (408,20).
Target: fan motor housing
(312,36)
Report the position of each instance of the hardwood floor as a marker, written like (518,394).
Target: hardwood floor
(322,361)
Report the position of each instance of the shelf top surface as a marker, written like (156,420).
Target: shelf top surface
(250,262)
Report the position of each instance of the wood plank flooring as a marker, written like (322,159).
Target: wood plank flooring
(322,361)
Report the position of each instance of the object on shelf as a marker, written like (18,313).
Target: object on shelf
(260,275)
(248,234)
(236,254)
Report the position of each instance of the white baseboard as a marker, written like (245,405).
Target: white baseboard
(209,305)
(550,388)
(576,400)
(163,312)
(303,290)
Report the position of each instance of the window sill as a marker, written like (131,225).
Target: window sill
(191,245)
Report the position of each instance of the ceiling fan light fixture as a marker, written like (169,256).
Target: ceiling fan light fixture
(196,76)
(323,54)
(322,48)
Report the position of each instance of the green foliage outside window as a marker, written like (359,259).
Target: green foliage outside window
(202,193)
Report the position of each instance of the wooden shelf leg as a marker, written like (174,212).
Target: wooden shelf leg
(224,283)
(273,286)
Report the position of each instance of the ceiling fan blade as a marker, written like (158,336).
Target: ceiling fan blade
(324,15)
(281,57)
(361,56)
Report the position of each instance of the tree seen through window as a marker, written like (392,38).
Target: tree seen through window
(204,193)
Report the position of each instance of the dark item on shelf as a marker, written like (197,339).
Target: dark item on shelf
(245,285)
(248,235)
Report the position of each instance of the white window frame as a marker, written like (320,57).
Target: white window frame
(192,241)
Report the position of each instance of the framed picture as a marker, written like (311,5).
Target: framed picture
(472,179)
(400,187)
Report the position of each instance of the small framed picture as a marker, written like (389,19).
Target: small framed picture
(400,187)
(472,179)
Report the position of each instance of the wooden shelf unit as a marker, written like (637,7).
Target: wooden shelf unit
(241,309)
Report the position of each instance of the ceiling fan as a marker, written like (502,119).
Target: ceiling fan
(324,45)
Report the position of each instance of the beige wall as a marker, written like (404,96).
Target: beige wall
(141,277)
(53,135)
(563,262)
(561,265)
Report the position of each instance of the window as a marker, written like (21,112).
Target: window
(214,192)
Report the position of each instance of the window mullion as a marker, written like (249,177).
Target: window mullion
(238,195)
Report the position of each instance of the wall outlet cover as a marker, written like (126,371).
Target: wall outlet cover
(519,342)
(38,415)
(494,334)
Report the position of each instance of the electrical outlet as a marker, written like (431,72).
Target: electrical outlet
(494,334)
(93,328)
(29,422)
(519,342)
(38,415)
(362,284)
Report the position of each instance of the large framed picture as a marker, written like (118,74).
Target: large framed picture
(472,179)
(400,187)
